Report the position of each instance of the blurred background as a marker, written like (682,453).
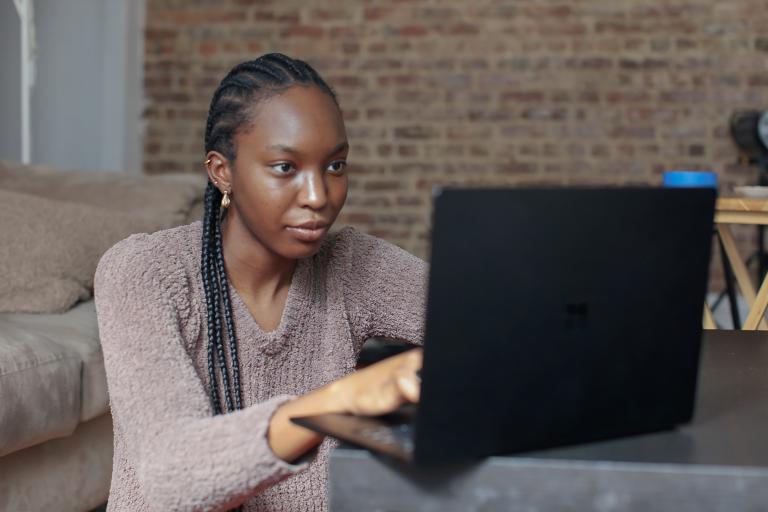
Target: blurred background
(433,92)
(460,92)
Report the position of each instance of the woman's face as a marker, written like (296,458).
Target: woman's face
(289,179)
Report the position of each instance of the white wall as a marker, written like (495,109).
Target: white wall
(10,95)
(86,103)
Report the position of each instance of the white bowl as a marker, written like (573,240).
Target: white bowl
(752,191)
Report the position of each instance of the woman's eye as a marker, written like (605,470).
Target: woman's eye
(337,166)
(283,168)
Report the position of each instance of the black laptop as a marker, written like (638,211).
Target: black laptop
(555,317)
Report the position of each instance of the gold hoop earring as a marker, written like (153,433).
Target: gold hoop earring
(225,200)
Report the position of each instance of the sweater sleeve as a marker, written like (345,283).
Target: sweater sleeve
(184,457)
(385,288)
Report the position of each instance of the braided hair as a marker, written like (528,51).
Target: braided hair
(232,108)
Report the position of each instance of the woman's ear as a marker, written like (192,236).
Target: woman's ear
(219,173)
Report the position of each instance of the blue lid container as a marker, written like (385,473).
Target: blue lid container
(695,179)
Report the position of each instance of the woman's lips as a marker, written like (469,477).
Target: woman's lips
(308,233)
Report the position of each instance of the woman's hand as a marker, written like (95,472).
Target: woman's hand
(381,387)
(377,389)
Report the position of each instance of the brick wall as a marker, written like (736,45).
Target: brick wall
(478,92)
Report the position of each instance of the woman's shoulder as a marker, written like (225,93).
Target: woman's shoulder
(351,247)
(145,256)
(148,273)
(348,242)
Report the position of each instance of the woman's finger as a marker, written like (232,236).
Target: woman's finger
(408,384)
(415,358)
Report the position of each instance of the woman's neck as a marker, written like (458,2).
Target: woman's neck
(252,268)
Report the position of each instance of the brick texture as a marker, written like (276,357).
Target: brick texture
(478,92)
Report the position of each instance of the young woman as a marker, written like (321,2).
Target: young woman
(217,332)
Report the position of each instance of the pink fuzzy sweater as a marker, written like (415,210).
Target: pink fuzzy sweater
(171,453)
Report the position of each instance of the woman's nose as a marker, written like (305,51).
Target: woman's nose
(313,193)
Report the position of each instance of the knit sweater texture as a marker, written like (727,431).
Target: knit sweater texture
(170,451)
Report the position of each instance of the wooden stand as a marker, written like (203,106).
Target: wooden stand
(731,210)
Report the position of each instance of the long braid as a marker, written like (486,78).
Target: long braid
(208,286)
(218,338)
(231,109)
(224,286)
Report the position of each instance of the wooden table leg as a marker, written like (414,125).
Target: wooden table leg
(709,319)
(741,273)
(757,312)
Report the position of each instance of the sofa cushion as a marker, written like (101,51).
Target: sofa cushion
(77,331)
(51,248)
(169,198)
(51,375)
(39,389)
(68,474)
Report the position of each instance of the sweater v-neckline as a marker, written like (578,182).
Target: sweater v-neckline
(288,316)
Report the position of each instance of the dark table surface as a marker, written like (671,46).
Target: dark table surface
(718,462)
(730,424)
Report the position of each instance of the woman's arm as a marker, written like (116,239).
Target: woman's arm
(385,288)
(377,389)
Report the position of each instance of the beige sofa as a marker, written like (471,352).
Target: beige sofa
(56,443)
(55,427)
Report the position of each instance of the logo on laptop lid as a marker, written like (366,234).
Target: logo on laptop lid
(576,315)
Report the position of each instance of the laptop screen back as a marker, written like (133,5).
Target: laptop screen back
(558,316)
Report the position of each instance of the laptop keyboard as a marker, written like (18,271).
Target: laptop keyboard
(396,435)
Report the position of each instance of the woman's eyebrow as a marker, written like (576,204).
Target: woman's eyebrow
(288,149)
(284,149)
(343,146)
